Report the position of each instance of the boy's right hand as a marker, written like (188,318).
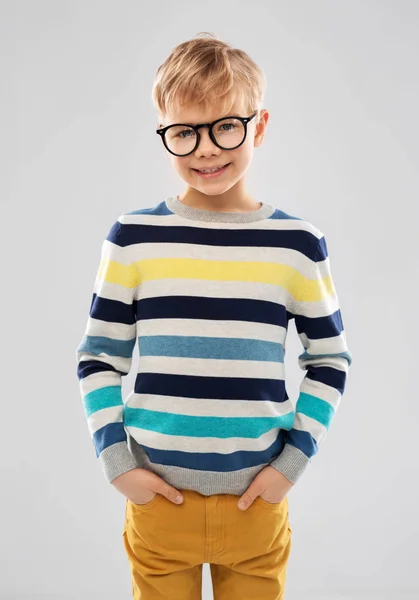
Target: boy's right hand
(140,486)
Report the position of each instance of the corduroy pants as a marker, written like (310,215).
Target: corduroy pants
(247,551)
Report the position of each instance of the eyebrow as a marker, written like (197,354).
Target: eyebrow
(199,122)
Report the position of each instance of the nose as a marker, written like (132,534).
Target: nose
(206,146)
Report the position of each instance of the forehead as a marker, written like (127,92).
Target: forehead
(195,114)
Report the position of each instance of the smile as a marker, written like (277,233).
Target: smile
(208,175)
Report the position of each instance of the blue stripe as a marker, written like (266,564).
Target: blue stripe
(307,356)
(107,436)
(95,344)
(210,347)
(159,209)
(280,214)
(213,461)
(303,441)
(114,233)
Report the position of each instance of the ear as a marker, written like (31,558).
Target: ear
(260,127)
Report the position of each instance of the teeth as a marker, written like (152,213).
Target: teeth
(209,170)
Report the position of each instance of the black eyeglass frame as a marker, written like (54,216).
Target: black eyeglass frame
(244,121)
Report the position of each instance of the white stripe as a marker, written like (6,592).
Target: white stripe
(330,345)
(210,367)
(98,380)
(321,390)
(336,362)
(213,289)
(118,362)
(213,328)
(304,423)
(204,407)
(162,441)
(101,418)
(112,330)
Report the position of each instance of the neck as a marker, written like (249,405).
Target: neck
(231,201)
(174,205)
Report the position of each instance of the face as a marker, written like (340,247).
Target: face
(229,185)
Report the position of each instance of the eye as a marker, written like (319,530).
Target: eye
(186,131)
(228,126)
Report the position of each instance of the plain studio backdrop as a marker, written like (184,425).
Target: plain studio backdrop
(78,148)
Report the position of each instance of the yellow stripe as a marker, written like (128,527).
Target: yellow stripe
(114,272)
(301,288)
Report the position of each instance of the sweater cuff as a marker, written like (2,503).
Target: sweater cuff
(291,462)
(116,460)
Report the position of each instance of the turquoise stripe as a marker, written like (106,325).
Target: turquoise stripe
(210,347)
(104,397)
(95,344)
(193,426)
(316,408)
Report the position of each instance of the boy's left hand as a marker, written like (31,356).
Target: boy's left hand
(267,480)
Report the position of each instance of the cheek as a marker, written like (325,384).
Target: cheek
(243,155)
(181,164)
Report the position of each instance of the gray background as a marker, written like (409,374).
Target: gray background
(78,148)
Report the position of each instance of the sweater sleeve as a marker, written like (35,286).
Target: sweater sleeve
(104,355)
(326,358)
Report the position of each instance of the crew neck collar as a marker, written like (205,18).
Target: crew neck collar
(201,214)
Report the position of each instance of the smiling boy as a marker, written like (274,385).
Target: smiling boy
(207,281)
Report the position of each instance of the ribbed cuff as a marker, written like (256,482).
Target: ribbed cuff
(116,460)
(291,462)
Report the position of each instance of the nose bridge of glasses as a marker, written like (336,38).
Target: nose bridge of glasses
(204,138)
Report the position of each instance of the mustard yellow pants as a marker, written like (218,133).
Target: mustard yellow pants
(167,544)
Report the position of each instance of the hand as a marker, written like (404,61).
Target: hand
(140,486)
(268,480)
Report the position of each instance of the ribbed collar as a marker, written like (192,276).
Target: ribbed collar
(200,214)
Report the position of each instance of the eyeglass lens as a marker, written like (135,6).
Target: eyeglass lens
(229,133)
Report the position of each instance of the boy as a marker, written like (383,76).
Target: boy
(208,281)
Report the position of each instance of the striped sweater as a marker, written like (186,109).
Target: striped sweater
(209,295)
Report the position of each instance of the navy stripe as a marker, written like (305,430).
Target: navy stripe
(197,386)
(112,311)
(114,233)
(90,367)
(317,328)
(331,377)
(219,309)
(294,239)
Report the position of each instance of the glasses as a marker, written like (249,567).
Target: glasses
(228,133)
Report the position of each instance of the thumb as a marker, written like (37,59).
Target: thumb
(170,492)
(249,496)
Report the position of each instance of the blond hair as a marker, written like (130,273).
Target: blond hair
(207,71)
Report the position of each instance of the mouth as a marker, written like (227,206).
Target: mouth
(213,174)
